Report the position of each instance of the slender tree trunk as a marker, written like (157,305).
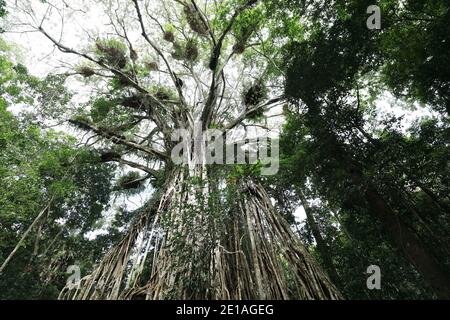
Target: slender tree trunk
(25,234)
(322,246)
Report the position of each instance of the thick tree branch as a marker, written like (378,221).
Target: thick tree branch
(135,165)
(115,71)
(214,65)
(159,52)
(118,139)
(249,111)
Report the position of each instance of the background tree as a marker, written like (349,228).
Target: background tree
(352,163)
(53,194)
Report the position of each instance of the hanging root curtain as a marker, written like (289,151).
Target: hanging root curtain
(187,246)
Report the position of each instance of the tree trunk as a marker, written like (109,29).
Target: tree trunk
(408,243)
(245,252)
(322,246)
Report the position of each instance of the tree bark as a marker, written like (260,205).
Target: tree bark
(408,243)
(322,246)
(249,252)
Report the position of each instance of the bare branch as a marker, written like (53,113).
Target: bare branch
(249,111)
(115,71)
(159,52)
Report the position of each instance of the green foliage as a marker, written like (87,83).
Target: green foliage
(333,151)
(246,24)
(164,93)
(101,107)
(38,167)
(240,171)
(47,96)
(58,171)
(186,50)
(2,8)
(85,71)
(191,50)
(326,141)
(112,51)
(415,47)
(130,183)
(194,20)
(255,94)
